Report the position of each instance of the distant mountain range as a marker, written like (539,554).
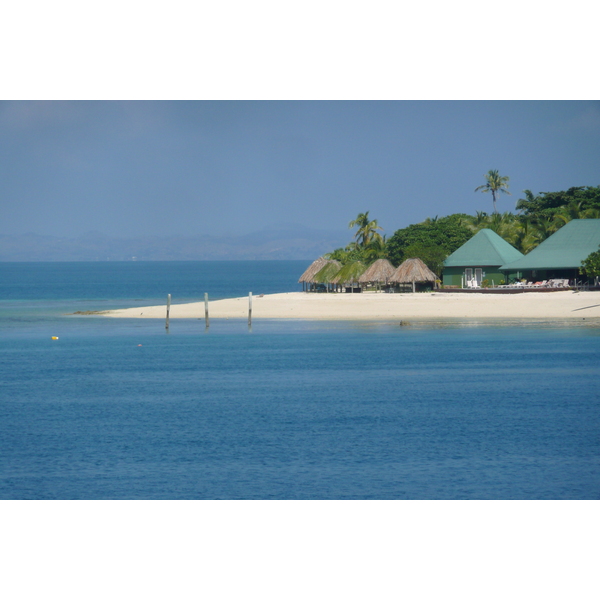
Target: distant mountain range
(282,243)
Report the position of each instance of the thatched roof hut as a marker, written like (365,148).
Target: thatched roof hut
(349,273)
(379,272)
(309,275)
(413,270)
(327,272)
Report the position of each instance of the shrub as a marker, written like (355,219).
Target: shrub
(591,265)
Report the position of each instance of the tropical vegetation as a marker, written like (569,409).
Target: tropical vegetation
(433,240)
(591,265)
(367,230)
(495,183)
(578,202)
(368,244)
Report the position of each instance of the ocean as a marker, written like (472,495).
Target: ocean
(123,409)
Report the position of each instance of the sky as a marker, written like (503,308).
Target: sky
(134,168)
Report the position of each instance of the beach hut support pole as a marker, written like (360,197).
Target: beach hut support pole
(206,310)
(250,309)
(168,311)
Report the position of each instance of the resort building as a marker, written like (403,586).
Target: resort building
(561,255)
(479,259)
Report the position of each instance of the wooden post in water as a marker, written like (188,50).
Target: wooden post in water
(168,311)
(250,309)
(206,310)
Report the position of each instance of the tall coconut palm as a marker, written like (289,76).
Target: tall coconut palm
(496,184)
(367,230)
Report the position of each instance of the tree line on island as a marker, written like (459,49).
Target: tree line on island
(433,240)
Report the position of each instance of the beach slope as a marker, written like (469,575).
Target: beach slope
(379,306)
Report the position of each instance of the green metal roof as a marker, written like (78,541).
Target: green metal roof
(485,249)
(565,249)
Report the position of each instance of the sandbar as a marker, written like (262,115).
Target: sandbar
(381,306)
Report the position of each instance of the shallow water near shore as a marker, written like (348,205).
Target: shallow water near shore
(121,409)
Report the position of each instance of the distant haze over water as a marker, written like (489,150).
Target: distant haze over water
(286,242)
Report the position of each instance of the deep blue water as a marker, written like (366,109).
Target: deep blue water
(289,410)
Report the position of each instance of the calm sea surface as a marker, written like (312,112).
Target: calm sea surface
(118,408)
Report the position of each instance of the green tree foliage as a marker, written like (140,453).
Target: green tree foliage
(351,253)
(434,239)
(432,256)
(367,230)
(327,273)
(578,202)
(523,232)
(495,183)
(368,246)
(525,236)
(591,265)
(445,233)
(376,248)
(350,272)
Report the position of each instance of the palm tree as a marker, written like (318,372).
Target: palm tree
(367,230)
(544,227)
(524,238)
(571,211)
(502,224)
(496,184)
(524,204)
(339,254)
(375,249)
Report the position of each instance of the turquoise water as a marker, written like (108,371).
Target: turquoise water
(289,410)
(54,288)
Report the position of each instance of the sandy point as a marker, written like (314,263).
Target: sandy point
(380,306)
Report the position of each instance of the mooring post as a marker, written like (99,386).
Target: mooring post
(250,309)
(168,311)
(206,310)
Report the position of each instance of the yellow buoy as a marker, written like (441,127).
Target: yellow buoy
(54,337)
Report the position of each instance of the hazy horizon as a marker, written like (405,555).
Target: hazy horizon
(180,168)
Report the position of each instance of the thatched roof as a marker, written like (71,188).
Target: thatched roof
(350,272)
(327,272)
(379,272)
(413,270)
(309,274)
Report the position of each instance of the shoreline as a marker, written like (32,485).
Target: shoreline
(373,306)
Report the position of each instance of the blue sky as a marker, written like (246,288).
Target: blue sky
(129,168)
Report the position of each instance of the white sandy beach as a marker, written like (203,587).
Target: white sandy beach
(379,306)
